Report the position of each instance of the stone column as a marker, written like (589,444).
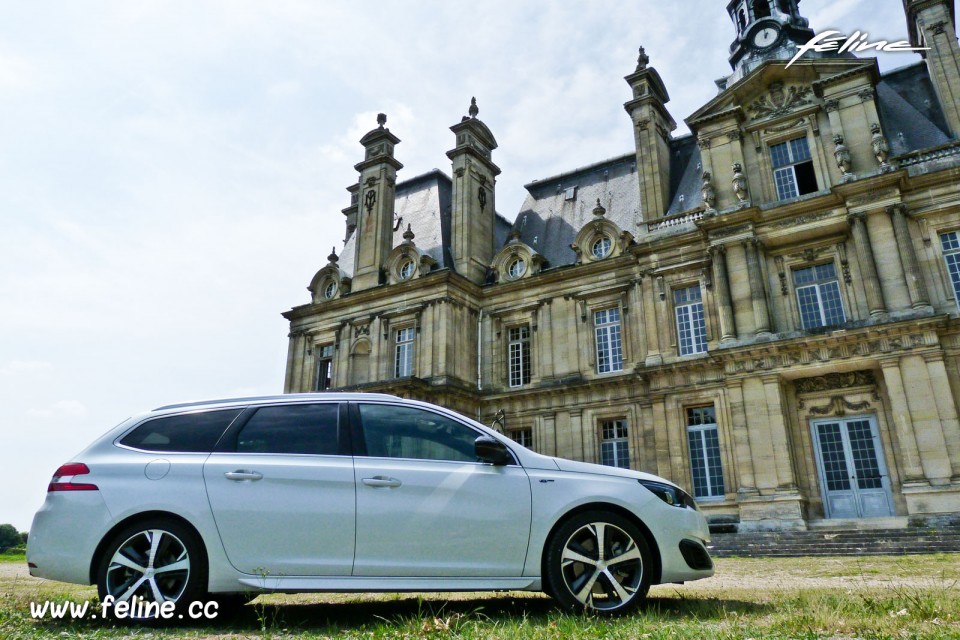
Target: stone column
(758,292)
(780,441)
(947,408)
(908,258)
(868,267)
(742,455)
(728,329)
(909,457)
(928,427)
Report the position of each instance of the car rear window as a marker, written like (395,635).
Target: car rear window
(309,429)
(186,433)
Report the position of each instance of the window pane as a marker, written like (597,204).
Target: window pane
(800,150)
(832,305)
(809,308)
(404,357)
(519,356)
(691,324)
(780,155)
(950,241)
(609,344)
(703,440)
(391,431)
(614,450)
(190,433)
(302,429)
(786,183)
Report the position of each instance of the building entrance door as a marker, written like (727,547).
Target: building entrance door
(853,475)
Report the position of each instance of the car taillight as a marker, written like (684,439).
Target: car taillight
(63,478)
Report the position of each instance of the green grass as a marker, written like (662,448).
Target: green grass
(13,555)
(865,598)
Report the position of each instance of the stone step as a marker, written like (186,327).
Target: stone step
(820,542)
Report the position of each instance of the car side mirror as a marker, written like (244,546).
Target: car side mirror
(492,451)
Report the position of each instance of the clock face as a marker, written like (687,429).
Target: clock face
(766,37)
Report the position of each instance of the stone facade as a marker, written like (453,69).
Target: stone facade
(764,311)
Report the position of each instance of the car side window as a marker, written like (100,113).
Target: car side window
(186,433)
(391,431)
(298,428)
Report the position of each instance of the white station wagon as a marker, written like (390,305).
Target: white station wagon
(354,492)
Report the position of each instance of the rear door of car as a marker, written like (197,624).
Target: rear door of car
(281,487)
(425,506)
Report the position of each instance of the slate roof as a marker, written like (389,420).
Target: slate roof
(910,112)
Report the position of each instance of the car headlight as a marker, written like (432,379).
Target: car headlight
(671,495)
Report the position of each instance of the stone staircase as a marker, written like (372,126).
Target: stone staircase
(821,541)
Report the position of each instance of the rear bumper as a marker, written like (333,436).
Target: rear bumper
(65,534)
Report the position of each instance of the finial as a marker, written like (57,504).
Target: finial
(381,119)
(514,236)
(333,256)
(474,109)
(599,210)
(408,235)
(643,60)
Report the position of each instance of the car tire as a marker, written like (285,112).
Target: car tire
(158,559)
(598,562)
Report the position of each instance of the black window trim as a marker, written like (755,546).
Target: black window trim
(228,441)
(360,450)
(118,441)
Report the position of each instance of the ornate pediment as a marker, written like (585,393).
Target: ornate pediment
(516,261)
(407,261)
(330,282)
(600,239)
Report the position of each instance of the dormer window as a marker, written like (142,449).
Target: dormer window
(793,169)
(570,193)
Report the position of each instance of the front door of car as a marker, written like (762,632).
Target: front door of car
(426,507)
(282,492)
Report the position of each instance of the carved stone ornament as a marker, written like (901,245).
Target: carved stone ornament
(370,199)
(779,102)
(708,192)
(482,197)
(740,184)
(881,149)
(833,381)
(842,155)
(598,210)
(839,406)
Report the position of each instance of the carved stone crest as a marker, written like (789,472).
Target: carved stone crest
(779,101)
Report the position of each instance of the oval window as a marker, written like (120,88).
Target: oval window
(406,270)
(516,268)
(601,248)
(330,290)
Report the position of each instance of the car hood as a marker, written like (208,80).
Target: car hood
(603,470)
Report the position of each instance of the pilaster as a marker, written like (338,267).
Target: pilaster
(721,283)
(868,267)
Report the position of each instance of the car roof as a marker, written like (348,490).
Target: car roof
(286,397)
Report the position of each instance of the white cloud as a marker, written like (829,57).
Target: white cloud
(60,409)
(21,367)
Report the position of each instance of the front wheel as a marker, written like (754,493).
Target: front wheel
(154,561)
(598,562)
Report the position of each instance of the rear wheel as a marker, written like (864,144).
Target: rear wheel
(598,562)
(157,560)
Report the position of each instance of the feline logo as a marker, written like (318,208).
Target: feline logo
(858,42)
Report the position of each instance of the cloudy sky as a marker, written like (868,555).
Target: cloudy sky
(172,173)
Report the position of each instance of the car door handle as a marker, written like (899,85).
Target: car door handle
(240,475)
(382,481)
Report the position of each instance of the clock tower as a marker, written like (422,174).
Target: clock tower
(766,29)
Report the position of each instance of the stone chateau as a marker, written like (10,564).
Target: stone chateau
(764,311)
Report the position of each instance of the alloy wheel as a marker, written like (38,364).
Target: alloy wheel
(153,564)
(602,566)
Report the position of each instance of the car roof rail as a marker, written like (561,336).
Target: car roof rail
(320,395)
